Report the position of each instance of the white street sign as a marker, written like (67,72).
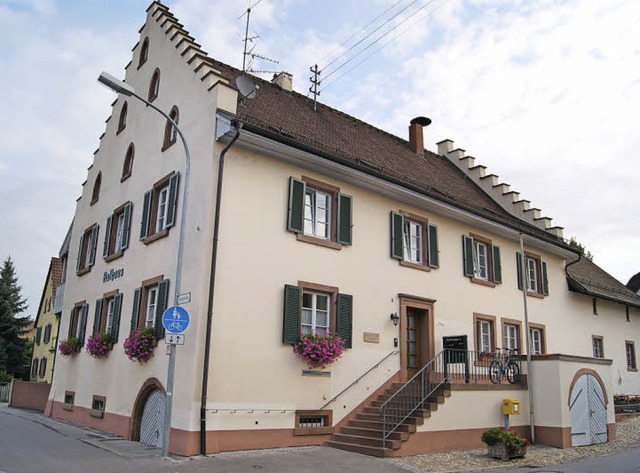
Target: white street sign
(184,298)
(174,339)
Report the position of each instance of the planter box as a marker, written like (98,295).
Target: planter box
(500,451)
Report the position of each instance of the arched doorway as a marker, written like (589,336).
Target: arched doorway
(148,414)
(588,408)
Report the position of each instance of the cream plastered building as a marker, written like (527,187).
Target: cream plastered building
(325,224)
(46,326)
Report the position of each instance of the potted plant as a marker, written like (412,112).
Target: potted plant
(319,351)
(139,345)
(99,345)
(69,347)
(504,444)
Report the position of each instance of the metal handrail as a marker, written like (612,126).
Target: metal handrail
(359,378)
(401,404)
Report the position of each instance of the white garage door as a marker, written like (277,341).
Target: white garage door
(151,426)
(588,412)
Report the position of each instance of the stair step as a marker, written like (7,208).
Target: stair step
(373,433)
(373,451)
(367,441)
(367,424)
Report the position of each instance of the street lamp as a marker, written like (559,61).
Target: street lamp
(123,88)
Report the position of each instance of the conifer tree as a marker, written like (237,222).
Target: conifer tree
(12,304)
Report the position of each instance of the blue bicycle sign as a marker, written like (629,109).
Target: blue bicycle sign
(175,319)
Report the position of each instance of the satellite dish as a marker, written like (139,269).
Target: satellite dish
(245,87)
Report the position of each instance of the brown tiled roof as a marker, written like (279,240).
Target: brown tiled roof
(588,278)
(289,117)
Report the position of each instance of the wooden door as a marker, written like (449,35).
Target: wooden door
(413,355)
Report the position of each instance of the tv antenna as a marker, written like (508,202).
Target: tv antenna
(248,56)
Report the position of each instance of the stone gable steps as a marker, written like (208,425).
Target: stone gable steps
(363,434)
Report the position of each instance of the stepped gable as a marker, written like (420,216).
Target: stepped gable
(588,278)
(289,117)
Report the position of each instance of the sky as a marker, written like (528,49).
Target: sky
(545,93)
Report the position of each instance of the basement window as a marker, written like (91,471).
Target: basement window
(69,398)
(97,406)
(313,422)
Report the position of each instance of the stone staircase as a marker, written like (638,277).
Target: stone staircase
(363,433)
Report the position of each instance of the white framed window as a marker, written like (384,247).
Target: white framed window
(111,306)
(532,275)
(163,198)
(598,347)
(481,261)
(152,302)
(315,313)
(630,349)
(413,241)
(485,332)
(536,341)
(317,213)
(120,232)
(510,337)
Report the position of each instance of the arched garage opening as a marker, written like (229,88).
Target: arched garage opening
(147,424)
(588,406)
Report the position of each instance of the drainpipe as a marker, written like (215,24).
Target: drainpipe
(212,280)
(523,276)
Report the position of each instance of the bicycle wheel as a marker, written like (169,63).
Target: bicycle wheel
(495,371)
(512,372)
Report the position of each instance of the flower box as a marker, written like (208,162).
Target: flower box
(503,452)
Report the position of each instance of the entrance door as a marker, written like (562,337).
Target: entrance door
(588,412)
(152,423)
(416,335)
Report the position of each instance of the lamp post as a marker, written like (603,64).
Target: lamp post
(123,88)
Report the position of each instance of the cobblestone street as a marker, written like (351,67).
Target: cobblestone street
(628,436)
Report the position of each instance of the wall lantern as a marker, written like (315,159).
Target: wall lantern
(394,318)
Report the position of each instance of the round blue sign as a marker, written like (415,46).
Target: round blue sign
(175,319)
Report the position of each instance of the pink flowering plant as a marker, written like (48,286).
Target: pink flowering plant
(69,347)
(99,345)
(319,351)
(139,345)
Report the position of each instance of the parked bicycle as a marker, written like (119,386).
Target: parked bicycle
(505,365)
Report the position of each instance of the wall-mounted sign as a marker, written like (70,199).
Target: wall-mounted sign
(371,337)
(112,274)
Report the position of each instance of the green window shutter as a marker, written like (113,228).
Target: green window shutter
(93,242)
(397,228)
(173,199)
(497,268)
(127,225)
(70,332)
(344,219)
(467,256)
(432,237)
(295,215)
(291,315)
(545,282)
(38,335)
(115,325)
(79,261)
(344,318)
(107,237)
(135,314)
(519,269)
(97,316)
(83,323)
(146,211)
(163,297)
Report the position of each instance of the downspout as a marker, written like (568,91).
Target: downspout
(523,278)
(212,280)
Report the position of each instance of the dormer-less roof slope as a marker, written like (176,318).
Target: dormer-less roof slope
(588,278)
(289,117)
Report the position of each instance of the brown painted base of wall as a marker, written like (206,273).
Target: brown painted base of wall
(447,440)
(29,395)
(112,423)
(561,436)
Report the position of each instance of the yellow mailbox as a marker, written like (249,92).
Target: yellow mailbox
(510,406)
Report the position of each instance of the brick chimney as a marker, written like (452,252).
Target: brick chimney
(416,140)
(284,80)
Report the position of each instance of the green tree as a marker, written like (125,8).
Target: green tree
(12,304)
(573,243)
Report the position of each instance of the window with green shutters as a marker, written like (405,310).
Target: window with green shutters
(107,315)
(315,308)
(117,231)
(87,249)
(533,270)
(481,260)
(414,241)
(319,213)
(78,321)
(149,303)
(159,208)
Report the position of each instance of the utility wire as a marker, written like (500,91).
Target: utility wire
(386,44)
(369,35)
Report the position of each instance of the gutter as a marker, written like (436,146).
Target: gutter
(212,280)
